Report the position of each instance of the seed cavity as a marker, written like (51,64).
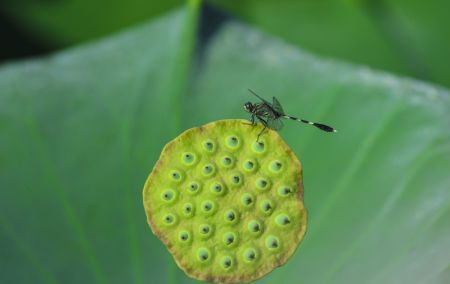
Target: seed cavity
(255,227)
(284,191)
(168,195)
(184,236)
(275,166)
(193,187)
(249,165)
(232,142)
(176,176)
(208,207)
(188,158)
(282,220)
(205,230)
(208,170)
(247,200)
(231,216)
(262,184)
(217,188)
(250,255)
(209,146)
(226,262)
(259,147)
(169,219)
(227,161)
(272,243)
(203,254)
(266,206)
(235,179)
(229,239)
(188,209)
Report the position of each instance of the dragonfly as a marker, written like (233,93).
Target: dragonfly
(271,115)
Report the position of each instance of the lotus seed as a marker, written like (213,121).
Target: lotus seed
(247,200)
(169,219)
(284,191)
(184,236)
(250,255)
(208,207)
(168,195)
(266,206)
(176,175)
(208,170)
(203,254)
(235,179)
(276,166)
(227,161)
(229,239)
(188,158)
(232,142)
(217,188)
(188,209)
(282,220)
(205,230)
(226,262)
(209,146)
(258,147)
(272,242)
(254,227)
(193,187)
(262,184)
(249,165)
(230,217)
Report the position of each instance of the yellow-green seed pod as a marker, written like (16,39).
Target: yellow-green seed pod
(229,208)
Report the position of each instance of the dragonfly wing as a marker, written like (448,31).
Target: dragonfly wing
(263,100)
(274,123)
(277,106)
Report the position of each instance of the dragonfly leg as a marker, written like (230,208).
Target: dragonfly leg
(264,122)
(252,120)
(261,132)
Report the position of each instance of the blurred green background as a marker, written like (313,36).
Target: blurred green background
(407,37)
(90,91)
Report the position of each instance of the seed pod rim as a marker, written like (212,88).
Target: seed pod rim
(265,269)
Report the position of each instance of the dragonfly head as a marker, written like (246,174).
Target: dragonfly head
(248,106)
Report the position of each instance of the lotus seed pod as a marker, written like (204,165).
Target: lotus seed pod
(228,208)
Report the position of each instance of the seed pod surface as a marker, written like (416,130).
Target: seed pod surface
(229,208)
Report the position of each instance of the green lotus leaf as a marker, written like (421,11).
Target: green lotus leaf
(82,129)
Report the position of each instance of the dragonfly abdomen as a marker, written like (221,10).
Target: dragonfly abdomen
(318,125)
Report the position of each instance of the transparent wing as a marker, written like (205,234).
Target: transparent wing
(277,106)
(263,100)
(263,109)
(275,124)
